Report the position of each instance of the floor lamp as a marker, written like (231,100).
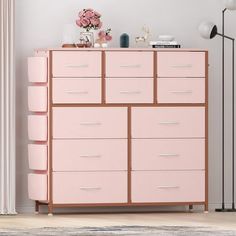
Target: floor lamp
(208,30)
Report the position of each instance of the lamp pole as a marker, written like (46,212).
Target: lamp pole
(223,110)
(223,157)
(233,202)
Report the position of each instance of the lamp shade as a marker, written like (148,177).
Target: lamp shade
(207,30)
(230,4)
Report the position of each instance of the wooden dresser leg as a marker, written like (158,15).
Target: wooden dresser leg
(36,207)
(206,208)
(50,210)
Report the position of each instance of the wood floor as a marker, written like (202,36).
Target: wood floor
(216,220)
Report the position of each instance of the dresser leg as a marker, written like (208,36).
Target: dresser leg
(50,210)
(36,207)
(206,208)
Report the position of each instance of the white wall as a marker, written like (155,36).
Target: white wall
(39,23)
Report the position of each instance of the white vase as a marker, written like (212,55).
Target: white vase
(87,37)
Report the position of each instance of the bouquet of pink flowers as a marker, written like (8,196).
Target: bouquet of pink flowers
(89,19)
(105,35)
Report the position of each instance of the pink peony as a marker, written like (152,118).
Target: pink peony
(97,14)
(89,19)
(89,14)
(95,21)
(108,37)
(84,21)
(105,35)
(78,22)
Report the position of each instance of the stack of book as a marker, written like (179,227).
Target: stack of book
(165,41)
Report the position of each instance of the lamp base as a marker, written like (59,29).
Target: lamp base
(231,210)
(222,210)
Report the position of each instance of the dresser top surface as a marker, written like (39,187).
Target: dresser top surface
(123,49)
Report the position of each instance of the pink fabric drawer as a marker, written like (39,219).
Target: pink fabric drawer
(37,187)
(168,186)
(168,122)
(37,98)
(129,64)
(168,154)
(90,187)
(89,155)
(37,127)
(89,122)
(181,90)
(76,64)
(76,90)
(129,90)
(37,154)
(181,64)
(37,69)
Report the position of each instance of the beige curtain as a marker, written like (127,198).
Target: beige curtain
(7,108)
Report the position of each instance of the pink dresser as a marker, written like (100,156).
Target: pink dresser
(118,127)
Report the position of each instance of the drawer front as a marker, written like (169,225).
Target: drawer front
(168,154)
(168,122)
(129,90)
(129,64)
(89,155)
(37,187)
(37,155)
(37,98)
(176,90)
(168,186)
(181,64)
(37,127)
(37,69)
(89,187)
(90,122)
(76,64)
(76,90)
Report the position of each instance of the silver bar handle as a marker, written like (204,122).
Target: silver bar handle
(90,188)
(76,92)
(130,92)
(90,123)
(169,155)
(181,91)
(77,66)
(168,187)
(90,156)
(131,66)
(169,123)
